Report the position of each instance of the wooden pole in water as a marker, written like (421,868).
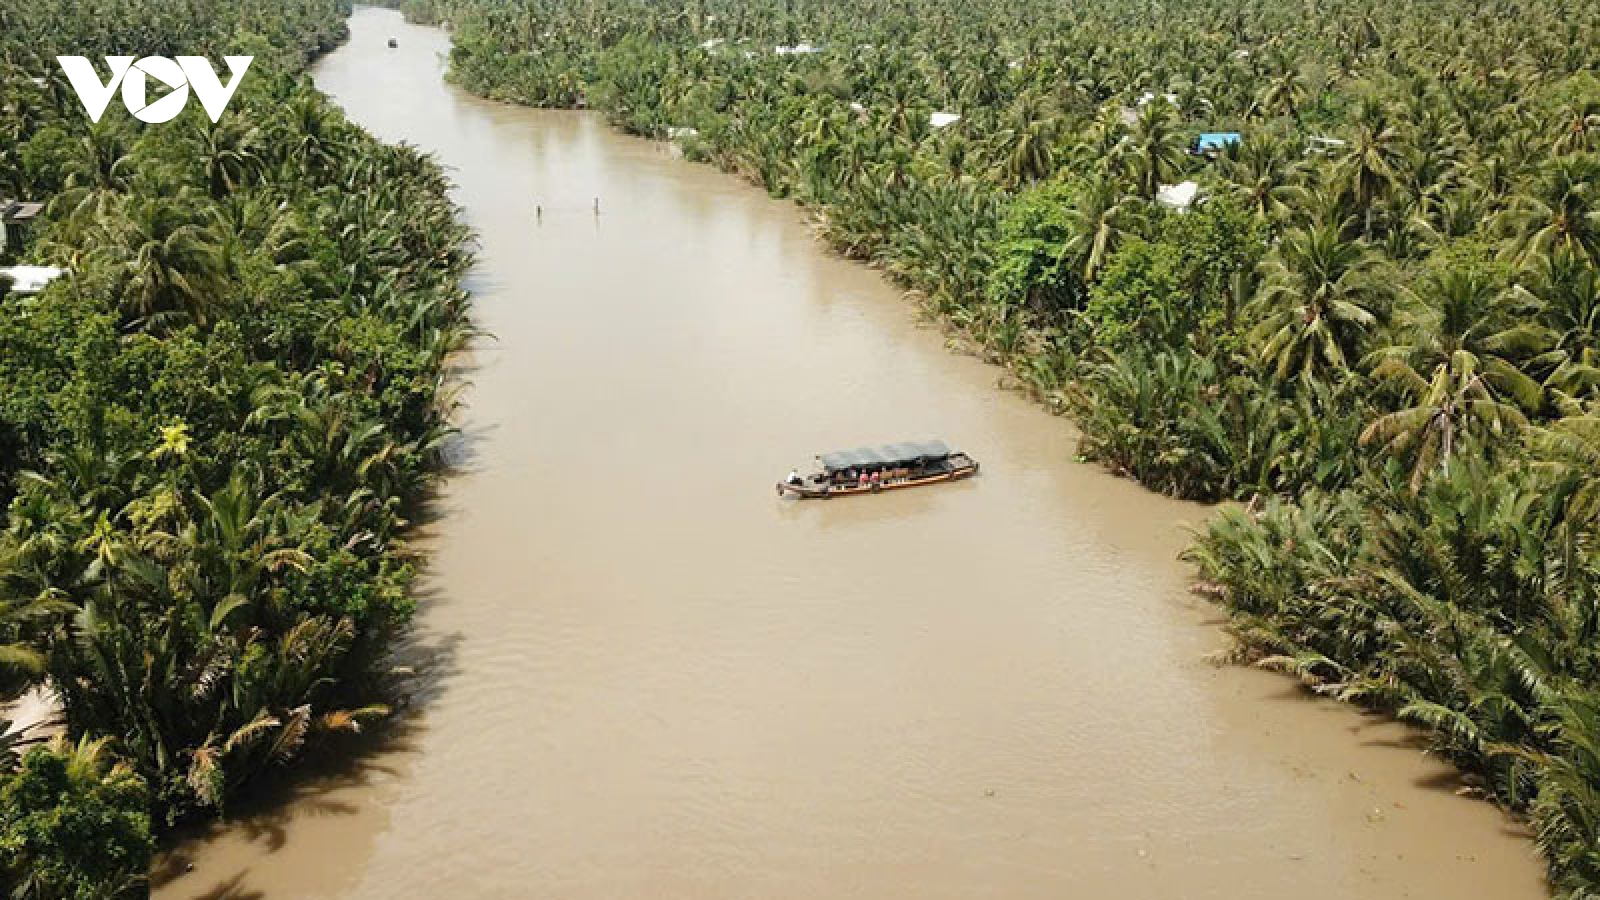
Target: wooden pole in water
(597,206)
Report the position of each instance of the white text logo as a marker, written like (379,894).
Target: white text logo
(187,72)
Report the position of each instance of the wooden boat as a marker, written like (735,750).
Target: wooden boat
(868,470)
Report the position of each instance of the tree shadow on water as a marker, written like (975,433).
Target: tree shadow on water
(340,777)
(229,889)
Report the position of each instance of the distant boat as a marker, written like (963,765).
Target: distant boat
(393,43)
(868,470)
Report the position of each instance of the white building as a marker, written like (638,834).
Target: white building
(1147,96)
(30,279)
(1179,196)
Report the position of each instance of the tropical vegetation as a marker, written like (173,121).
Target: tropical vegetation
(213,430)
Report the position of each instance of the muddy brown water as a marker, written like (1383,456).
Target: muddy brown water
(652,678)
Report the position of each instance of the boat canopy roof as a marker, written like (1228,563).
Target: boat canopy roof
(885,456)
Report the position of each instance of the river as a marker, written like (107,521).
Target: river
(645,675)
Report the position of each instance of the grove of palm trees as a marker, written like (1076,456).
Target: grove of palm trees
(212,432)
(1374,333)
(1378,329)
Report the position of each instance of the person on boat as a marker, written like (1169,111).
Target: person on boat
(794,478)
(864,479)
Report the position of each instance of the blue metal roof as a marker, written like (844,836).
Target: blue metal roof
(1217,140)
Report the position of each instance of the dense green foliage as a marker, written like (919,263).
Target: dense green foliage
(212,432)
(1380,326)
(74,826)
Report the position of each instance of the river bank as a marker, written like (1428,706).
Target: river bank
(648,678)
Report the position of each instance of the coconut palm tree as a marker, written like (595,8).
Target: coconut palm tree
(1026,144)
(1562,298)
(169,259)
(227,149)
(1097,222)
(1282,95)
(1319,299)
(1261,166)
(1454,405)
(1464,310)
(1570,446)
(1558,214)
(1153,152)
(1371,165)
(1581,133)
